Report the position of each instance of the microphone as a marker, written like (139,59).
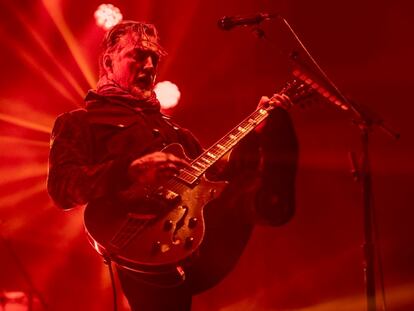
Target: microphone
(229,22)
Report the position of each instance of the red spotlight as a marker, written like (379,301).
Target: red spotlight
(107,15)
(168,94)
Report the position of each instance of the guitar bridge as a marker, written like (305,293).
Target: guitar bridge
(168,195)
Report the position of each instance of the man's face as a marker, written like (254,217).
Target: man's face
(132,67)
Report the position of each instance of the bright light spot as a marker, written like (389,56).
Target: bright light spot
(107,15)
(168,94)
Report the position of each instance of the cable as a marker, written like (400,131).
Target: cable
(378,254)
(108,262)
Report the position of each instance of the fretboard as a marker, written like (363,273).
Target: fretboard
(199,166)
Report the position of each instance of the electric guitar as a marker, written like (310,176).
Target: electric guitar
(162,232)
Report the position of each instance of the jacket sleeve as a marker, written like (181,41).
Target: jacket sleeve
(73,178)
(272,154)
(275,199)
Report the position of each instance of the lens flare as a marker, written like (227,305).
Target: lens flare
(168,94)
(107,15)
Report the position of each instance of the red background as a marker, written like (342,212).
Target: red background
(312,263)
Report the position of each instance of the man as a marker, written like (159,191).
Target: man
(111,150)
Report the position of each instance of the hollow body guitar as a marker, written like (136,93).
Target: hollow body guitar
(164,230)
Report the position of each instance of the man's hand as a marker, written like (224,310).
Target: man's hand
(151,170)
(283,101)
(156,167)
(278,100)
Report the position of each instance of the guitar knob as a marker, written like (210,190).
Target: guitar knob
(159,247)
(168,225)
(189,242)
(192,222)
(176,241)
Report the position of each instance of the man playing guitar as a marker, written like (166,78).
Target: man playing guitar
(145,202)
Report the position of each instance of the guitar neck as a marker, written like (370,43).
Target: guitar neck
(209,157)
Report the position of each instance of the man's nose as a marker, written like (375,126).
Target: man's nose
(148,63)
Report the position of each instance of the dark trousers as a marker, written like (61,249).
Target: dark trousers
(144,295)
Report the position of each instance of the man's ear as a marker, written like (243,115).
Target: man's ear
(107,63)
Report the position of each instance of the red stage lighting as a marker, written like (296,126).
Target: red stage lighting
(168,94)
(107,15)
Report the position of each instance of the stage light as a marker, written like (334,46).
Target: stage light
(168,94)
(107,15)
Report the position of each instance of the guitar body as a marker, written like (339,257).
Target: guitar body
(160,231)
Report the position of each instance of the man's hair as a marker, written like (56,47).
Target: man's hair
(147,39)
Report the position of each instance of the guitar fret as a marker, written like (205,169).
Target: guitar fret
(200,164)
(196,168)
(232,139)
(220,152)
(211,155)
(248,127)
(187,173)
(187,176)
(206,160)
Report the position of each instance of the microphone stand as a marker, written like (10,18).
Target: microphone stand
(365,120)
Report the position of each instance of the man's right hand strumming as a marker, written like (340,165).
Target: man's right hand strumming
(155,167)
(151,170)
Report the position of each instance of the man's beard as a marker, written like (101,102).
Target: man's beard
(140,92)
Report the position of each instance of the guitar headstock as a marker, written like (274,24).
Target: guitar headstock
(294,92)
